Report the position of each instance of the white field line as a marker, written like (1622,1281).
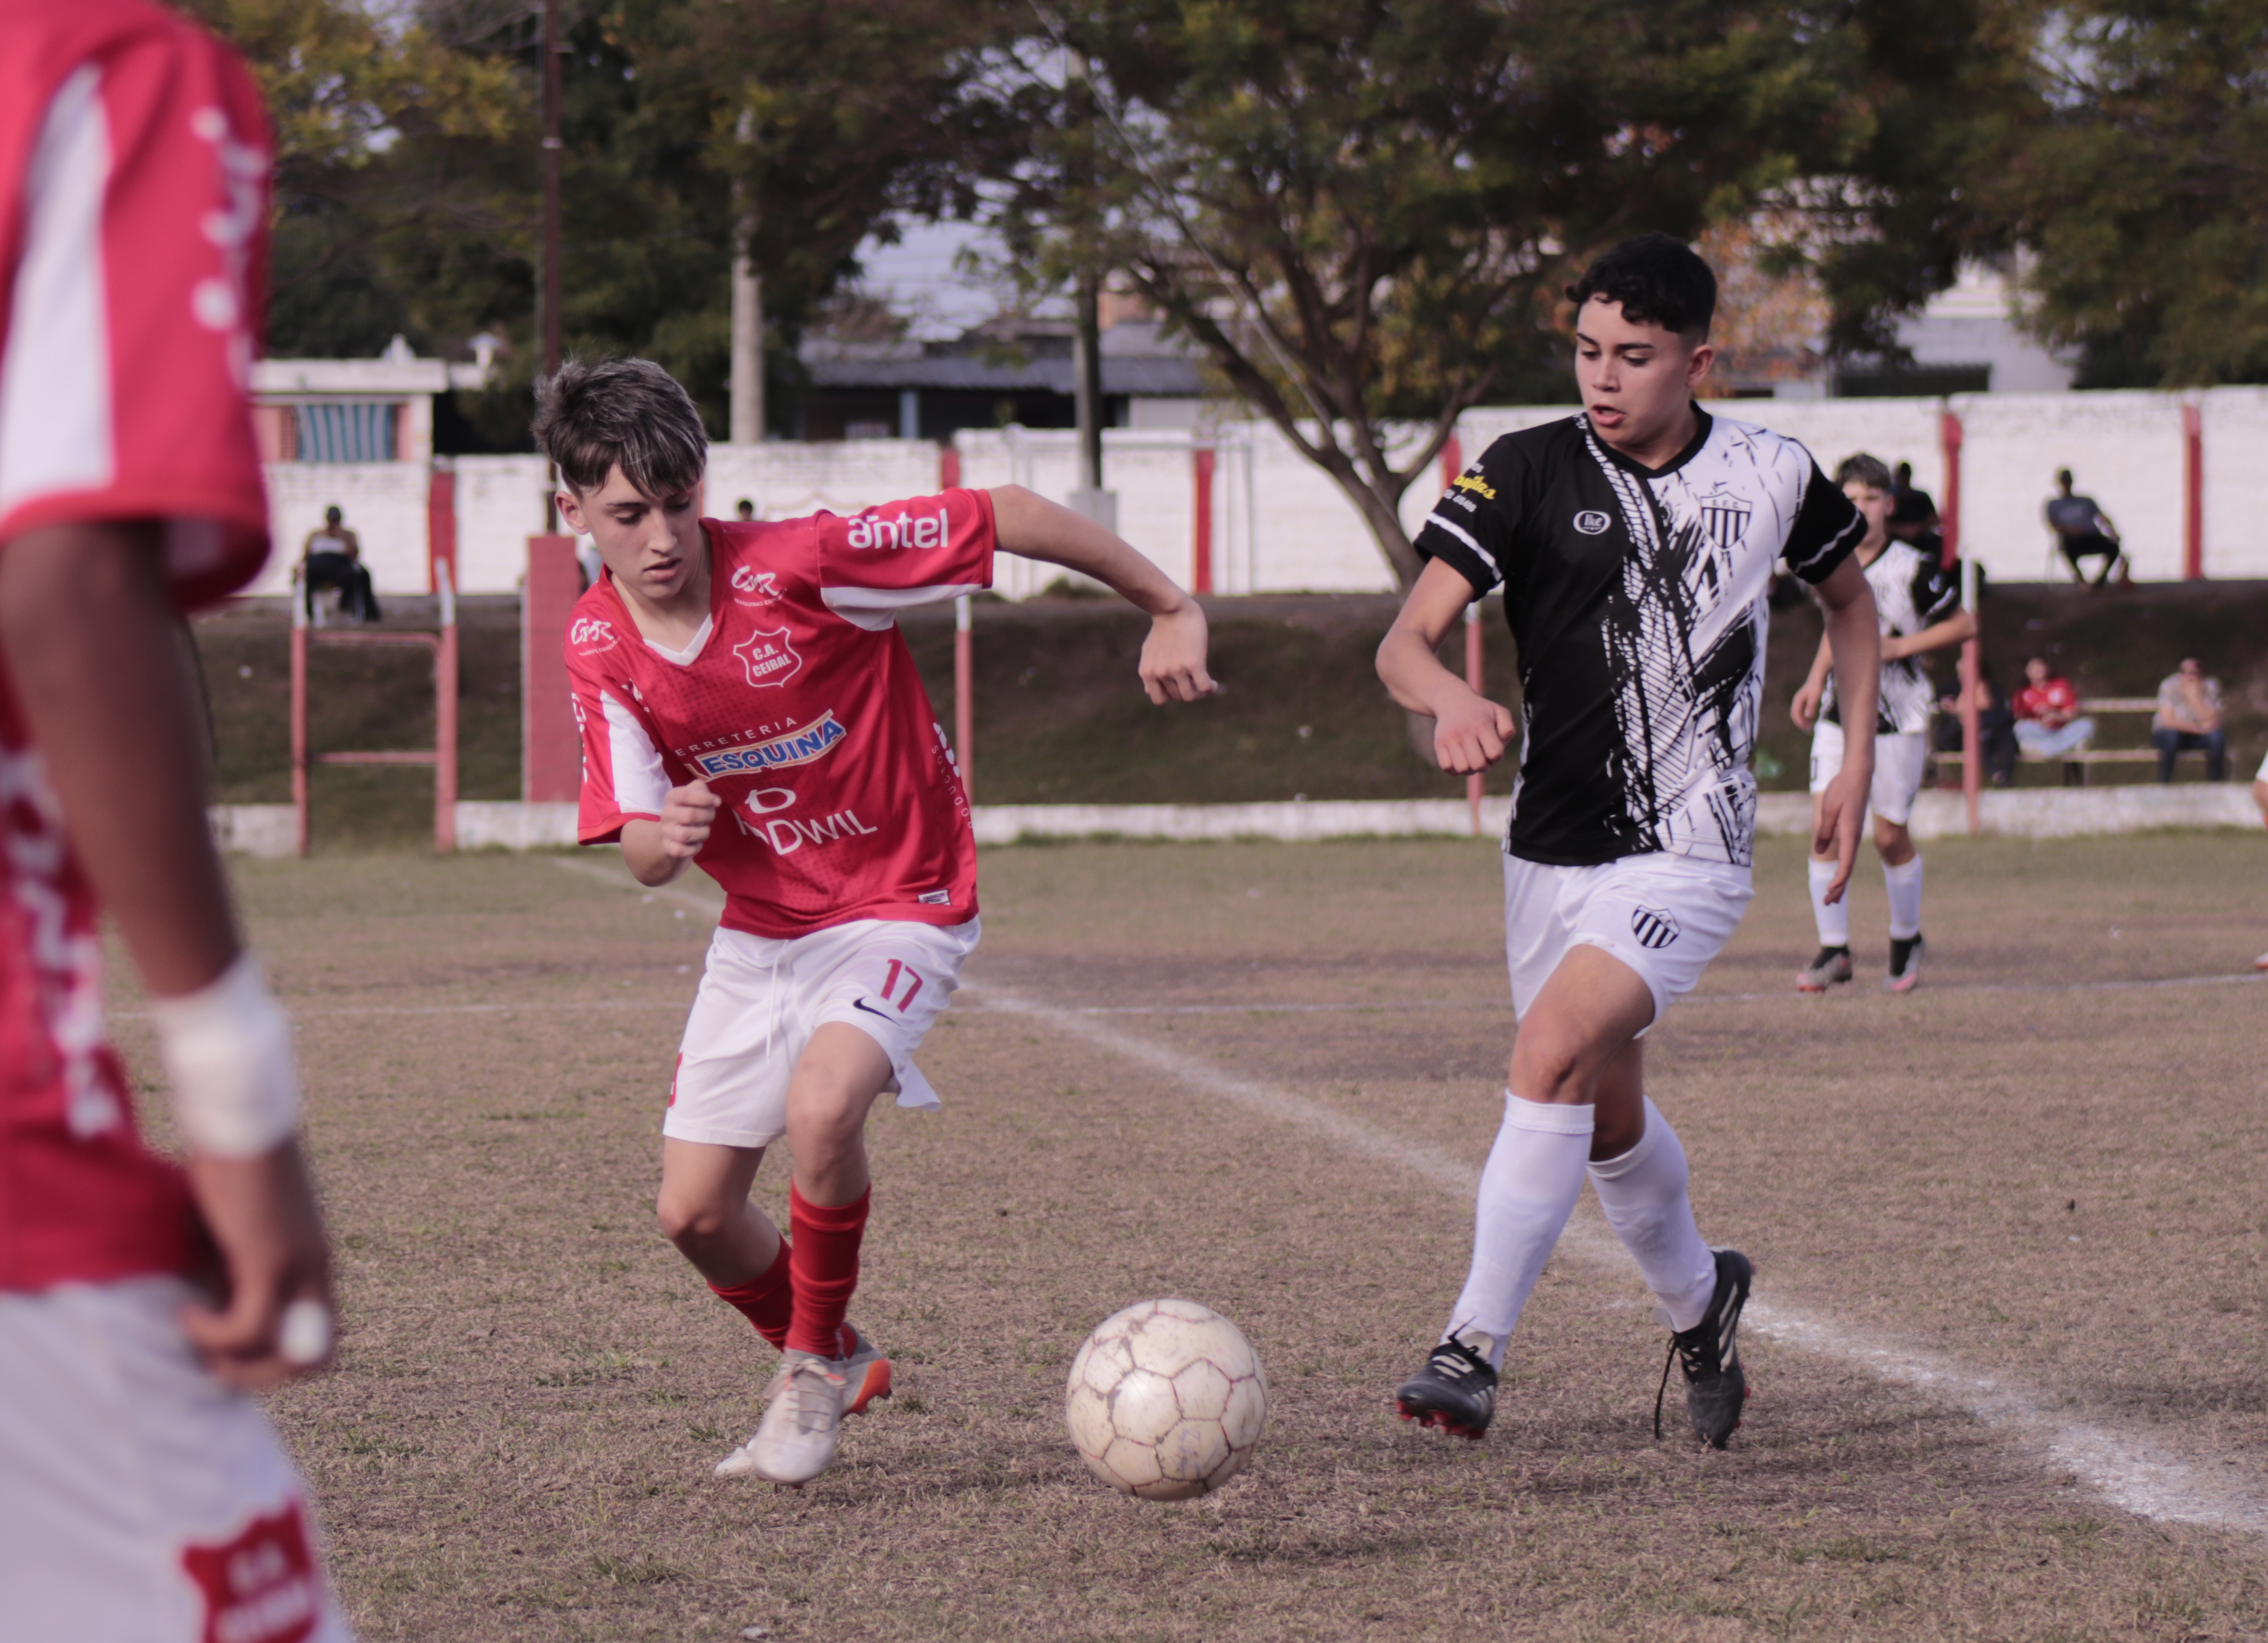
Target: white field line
(2127,1468)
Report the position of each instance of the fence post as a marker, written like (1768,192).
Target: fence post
(551,752)
(1972,675)
(2192,492)
(299,714)
(445,713)
(1949,434)
(440,524)
(948,467)
(1201,545)
(964,702)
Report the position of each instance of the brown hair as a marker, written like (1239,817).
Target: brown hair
(630,413)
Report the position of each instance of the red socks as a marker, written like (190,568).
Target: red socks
(768,1302)
(825,1240)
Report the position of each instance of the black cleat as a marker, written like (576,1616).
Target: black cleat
(1715,1388)
(1905,964)
(1455,1390)
(1831,968)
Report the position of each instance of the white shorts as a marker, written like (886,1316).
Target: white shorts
(140,1498)
(1898,765)
(1664,916)
(761,999)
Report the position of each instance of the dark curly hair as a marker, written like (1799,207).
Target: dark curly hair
(1658,281)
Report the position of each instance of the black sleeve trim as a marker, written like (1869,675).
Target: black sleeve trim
(1828,529)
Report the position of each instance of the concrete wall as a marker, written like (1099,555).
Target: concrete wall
(1279,525)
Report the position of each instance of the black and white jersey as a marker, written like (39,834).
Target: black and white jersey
(1637,598)
(1912,591)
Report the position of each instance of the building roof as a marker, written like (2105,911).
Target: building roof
(1136,360)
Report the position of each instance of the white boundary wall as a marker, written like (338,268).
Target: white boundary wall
(1280,526)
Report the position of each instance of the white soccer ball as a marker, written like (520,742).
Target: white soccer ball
(1166,1400)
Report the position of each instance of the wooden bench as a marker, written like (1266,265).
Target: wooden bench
(2096,708)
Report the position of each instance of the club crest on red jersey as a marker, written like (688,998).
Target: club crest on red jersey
(769,658)
(754,587)
(262,1586)
(590,636)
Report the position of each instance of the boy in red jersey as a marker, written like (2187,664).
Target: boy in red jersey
(747,701)
(143,1498)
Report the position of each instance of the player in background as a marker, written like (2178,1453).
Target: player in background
(143,1497)
(1635,545)
(1918,603)
(747,703)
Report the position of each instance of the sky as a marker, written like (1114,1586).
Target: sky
(919,278)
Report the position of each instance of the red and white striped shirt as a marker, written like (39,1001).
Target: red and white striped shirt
(799,703)
(133,221)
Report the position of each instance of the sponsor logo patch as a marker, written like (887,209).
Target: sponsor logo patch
(260,1587)
(799,746)
(906,530)
(1475,483)
(769,658)
(935,898)
(589,636)
(752,586)
(1591,522)
(1654,926)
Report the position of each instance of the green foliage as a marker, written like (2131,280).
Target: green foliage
(1366,212)
(2143,190)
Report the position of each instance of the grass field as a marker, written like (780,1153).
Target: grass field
(1263,1076)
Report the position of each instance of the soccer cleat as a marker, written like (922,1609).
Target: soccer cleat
(1715,1386)
(1905,965)
(1455,1391)
(795,1440)
(1833,965)
(2261,962)
(866,1373)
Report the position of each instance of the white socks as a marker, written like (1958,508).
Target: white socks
(1643,1193)
(1834,922)
(1905,886)
(1528,1188)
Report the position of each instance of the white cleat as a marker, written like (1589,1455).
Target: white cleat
(795,1440)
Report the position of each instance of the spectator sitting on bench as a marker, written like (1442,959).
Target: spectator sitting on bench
(2049,724)
(2083,530)
(332,558)
(2189,719)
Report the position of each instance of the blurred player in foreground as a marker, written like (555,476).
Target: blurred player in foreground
(1918,603)
(143,1496)
(747,703)
(1635,545)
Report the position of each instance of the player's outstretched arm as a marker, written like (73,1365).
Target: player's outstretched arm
(1854,635)
(1957,629)
(1173,667)
(656,851)
(94,651)
(1470,733)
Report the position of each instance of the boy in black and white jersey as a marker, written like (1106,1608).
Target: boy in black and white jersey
(1918,602)
(1635,544)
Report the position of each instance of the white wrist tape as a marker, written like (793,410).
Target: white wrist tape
(227,1049)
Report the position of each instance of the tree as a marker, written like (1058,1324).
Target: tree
(1364,212)
(2140,190)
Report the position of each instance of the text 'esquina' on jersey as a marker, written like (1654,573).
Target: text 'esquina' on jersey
(133,228)
(1637,600)
(1912,591)
(799,703)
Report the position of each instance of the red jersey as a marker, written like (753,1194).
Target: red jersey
(133,221)
(797,702)
(2036,701)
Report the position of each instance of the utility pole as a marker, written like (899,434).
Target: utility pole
(549,298)
(1090,498)
(747,316)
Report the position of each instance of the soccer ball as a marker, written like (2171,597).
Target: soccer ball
(1166,1400)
